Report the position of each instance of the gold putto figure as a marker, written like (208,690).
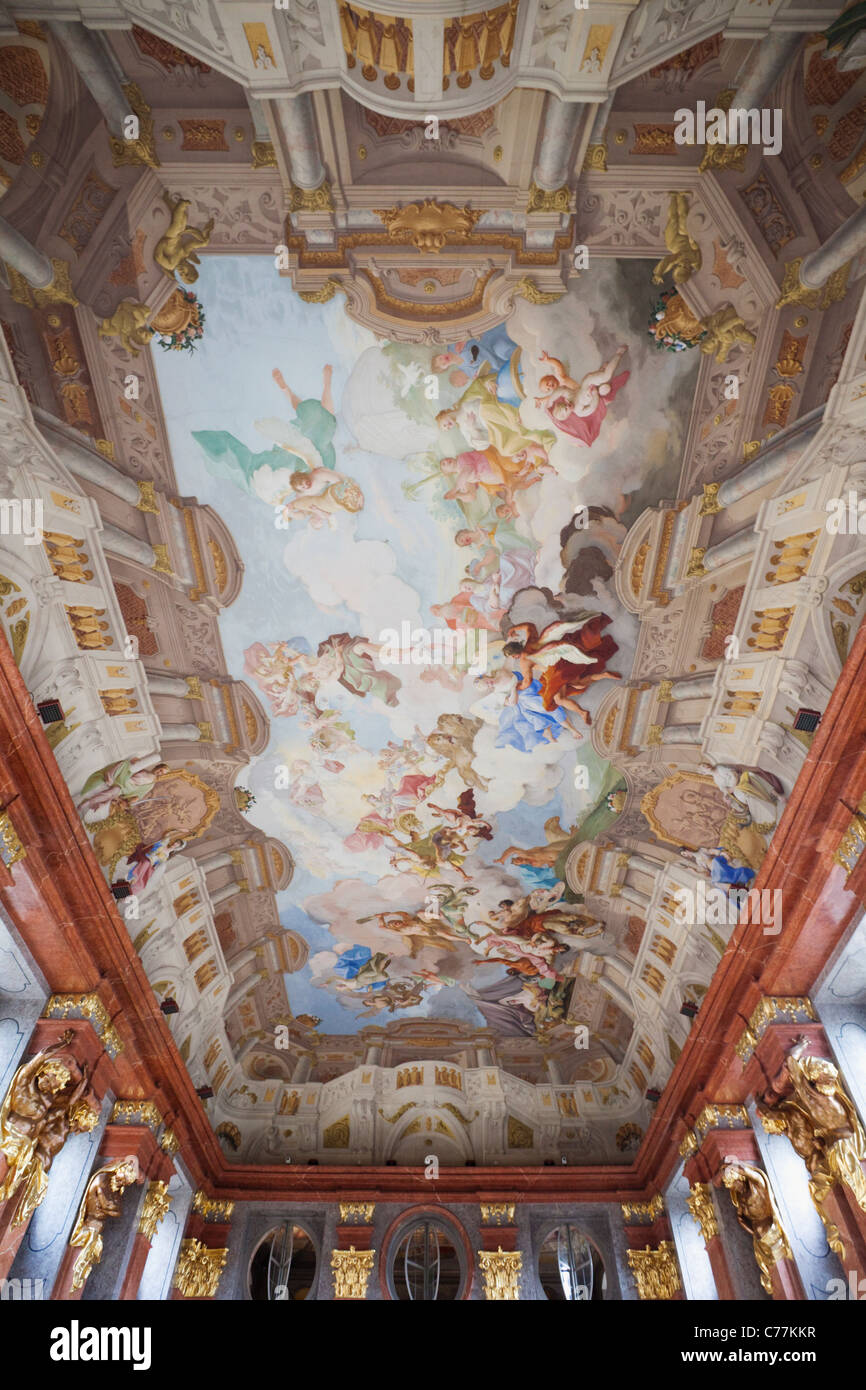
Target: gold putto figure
(41,1109)
(757,1213)
(176,250)
(102,1199)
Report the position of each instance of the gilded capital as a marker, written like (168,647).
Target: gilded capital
(199,1269)
(655,1271)
(700,1204)
(352,1269)
(696,568)
(549,200)
(146,497)
(710,504)
(501,1270)
(156,1203)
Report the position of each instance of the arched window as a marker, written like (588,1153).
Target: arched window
(425,1265)
(570,1268)
(283,1267)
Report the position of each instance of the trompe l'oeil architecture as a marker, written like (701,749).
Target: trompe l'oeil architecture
(432,672)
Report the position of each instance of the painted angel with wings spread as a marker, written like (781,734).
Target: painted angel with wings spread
(566,658)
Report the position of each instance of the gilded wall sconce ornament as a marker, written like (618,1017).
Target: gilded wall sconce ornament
(352,1270)
(428,224)
(101,1201)
(501,1270)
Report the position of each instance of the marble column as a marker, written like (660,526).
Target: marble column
(762,69)
(84,463)
(689,688)
(17,252)
(561,119)
(120,542)
(706,559)
(675,735)
(167,685)
(599,121)
(240,991)
(303,1067)
(372,1056)
(209,862)
(95,70)
(485,1056)
(769,463)
(298,127)
(553,1071)
(840,247)
(633,896)
(244,957)
(223,894)
(617,994)
(640,861)
(181,733)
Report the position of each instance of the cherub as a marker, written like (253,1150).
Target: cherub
(177,247)
(684,256)
(577,408)
(722,331)
(129,324)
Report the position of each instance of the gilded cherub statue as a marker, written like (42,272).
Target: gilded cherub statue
(129,324)
(723,330)
(684,256)
(824,1128)
(37,1116)
(176,249)
(757,1213)
(102,1199)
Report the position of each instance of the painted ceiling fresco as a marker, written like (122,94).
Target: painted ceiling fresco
(428,613)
